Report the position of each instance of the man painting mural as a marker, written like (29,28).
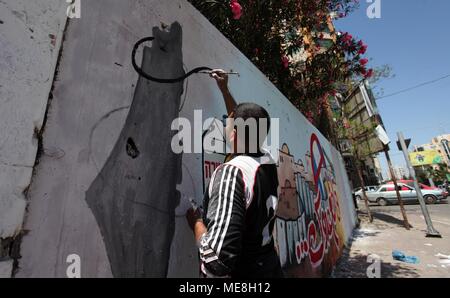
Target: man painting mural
(234,234)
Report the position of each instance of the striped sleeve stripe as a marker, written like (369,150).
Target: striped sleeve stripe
(207,251)
(209,260)
(230,208)
(226,200)
(211,183)
(224,172)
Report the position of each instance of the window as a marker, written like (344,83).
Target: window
(406,186)
(383,189)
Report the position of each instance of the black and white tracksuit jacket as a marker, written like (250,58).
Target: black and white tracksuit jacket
(239,211)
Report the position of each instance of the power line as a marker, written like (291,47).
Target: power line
(414,87)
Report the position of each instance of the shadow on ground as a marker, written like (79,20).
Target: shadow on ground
(387,218)
(356,267)
(364,233)
(383,217)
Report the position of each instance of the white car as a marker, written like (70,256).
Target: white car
(386,194)
(359,193)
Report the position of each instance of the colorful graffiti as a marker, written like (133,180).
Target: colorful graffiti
(308,228)
(210,167)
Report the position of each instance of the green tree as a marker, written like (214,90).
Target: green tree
(439,174)
(272,34)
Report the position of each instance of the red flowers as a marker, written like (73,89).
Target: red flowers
(347,37)
(363,61)
(369,74)
(363,48)
(236,9)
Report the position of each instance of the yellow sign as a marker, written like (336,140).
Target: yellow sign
(425,158)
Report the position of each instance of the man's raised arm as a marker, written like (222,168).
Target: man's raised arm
(221,78)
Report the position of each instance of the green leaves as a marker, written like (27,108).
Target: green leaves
(302,30)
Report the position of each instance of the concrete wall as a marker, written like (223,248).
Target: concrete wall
(30,38)
(108,199)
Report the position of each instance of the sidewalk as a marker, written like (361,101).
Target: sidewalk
(387,233)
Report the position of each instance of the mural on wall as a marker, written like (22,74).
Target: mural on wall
(212,159)
(117,197)
(309,235)
(134,196)
(308,231)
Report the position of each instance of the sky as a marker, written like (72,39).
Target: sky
(413,37)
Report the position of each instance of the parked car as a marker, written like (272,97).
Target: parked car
(411,184)
(386,194)
(422,186)
(359,193)
(445,189)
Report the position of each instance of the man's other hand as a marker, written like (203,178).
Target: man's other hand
(193,216)
(221,78)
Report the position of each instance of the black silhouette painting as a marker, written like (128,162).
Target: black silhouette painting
(134,196)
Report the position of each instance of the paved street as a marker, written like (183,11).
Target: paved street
(387,233)
(440,213)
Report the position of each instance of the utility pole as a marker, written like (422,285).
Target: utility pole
(431,231)
(399,197)
(394,179)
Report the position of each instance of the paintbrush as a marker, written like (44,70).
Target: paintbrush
(228,73)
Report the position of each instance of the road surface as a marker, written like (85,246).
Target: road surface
(387,233)
(440,213)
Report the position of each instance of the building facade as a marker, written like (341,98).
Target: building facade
(400,172)
(442,145)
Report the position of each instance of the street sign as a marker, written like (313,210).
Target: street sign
(407,141)
(382,135)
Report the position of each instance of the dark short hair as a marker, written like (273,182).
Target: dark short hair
(246,111)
